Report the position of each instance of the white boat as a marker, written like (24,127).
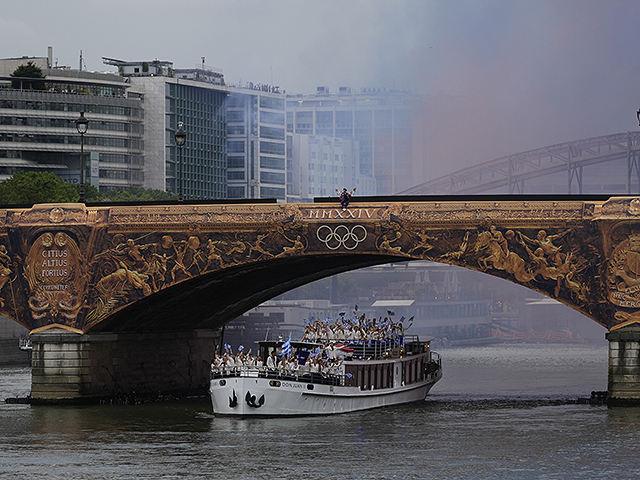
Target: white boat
(25,344)
(373,375)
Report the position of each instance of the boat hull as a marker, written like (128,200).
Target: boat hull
(262,396)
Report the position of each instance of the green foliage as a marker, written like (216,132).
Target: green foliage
(43,187)
(131,194)
(30,70)
(145,67)
(36,187)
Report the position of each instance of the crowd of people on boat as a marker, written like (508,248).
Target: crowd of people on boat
(353,330)
(329,339)
(318,361)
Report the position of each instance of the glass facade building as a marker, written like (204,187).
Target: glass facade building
(195,97)
(204,162)
(256,152)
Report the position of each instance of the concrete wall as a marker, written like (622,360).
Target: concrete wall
(624,367)
(69,367)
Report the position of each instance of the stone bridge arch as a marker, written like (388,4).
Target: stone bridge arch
(184,268)
(180,267)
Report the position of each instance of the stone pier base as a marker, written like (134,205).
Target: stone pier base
(73,368)
(624,367)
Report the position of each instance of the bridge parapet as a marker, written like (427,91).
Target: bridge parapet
(183,267)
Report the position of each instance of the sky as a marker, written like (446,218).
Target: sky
(498,77)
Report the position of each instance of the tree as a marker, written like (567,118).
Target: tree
(43,187)
(131,194)
(30,70)
(36,187)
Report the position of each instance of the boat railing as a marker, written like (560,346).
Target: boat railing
(434,364)
(376,349)
(279,374)
(388,348)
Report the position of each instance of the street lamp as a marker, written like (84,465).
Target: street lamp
(82,124)
(181,138)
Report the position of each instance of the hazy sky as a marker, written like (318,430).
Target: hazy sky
(499,76)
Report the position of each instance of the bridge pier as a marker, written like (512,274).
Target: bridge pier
(74,368)
(624,367)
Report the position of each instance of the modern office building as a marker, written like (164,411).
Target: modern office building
(196,97)
(256,156)
(382,121)
(38,130)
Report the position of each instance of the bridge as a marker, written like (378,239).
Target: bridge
(130,298)
(510,174)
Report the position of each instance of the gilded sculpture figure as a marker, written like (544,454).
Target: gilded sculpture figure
(5,271)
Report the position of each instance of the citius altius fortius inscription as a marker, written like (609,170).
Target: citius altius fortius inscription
(57,284)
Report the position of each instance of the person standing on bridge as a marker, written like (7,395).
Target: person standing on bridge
(345,197)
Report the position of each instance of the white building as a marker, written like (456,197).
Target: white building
(317,166)
(382,121)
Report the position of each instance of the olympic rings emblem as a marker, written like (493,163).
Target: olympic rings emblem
(341,236)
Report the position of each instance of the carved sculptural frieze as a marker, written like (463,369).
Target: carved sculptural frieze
(623,275)
(55,272)
(548,261)
(138,251)
(7,274)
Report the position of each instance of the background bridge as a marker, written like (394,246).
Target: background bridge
(512,174)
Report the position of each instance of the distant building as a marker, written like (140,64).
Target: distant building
(245,141)
(317,166)
(195,97)
(256,153)
(382,121)
(38,131)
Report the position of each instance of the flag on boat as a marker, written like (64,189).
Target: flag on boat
(302,357)
(286,347)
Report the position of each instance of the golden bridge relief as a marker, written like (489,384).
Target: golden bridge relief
(66,266)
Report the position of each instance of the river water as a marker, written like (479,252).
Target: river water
(500,411)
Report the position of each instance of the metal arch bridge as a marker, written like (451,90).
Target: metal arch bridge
(511,172)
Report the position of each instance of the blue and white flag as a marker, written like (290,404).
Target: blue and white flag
(286,347)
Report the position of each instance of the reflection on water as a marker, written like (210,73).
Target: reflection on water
(499,412)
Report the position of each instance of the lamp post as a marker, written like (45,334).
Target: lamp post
(181,138)
(82,124)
